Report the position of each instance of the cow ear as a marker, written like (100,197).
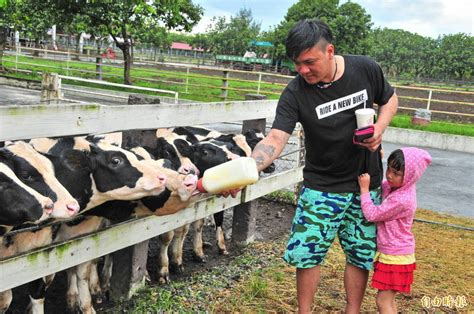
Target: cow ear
(184,148)
(2,154)
(5,156)
(76,160)
(94,149)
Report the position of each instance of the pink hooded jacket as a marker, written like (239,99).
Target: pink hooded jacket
(394,217)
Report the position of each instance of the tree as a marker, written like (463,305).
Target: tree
(124,19)
(233,37)
(456,56)
(349,23)
(32,19)
(3,32)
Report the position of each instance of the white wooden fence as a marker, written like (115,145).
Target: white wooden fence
(24,122)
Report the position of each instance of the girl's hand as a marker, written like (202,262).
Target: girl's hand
(364,183)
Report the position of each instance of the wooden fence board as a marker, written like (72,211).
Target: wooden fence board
(24,122)
(29,266)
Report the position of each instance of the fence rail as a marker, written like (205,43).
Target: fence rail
(226,84)
(39,263)
(67,119)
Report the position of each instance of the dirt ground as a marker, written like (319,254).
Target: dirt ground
(401,91)
(273,222)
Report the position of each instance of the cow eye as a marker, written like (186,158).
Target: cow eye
(115,161)
(25,176)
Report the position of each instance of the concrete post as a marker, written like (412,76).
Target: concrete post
(50,88)
(225,85)
(245,215)
(128,271)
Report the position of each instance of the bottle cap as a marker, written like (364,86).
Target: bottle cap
(200,187)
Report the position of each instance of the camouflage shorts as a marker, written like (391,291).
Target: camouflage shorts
(319,217)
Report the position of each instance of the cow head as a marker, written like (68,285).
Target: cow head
(37,172)
(18,202)
(95,173)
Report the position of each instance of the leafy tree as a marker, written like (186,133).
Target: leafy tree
(349,22)
(32,19)
(201,41)
(456,56)
(124,19)
(233,37)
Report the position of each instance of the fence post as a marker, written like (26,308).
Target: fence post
(187,79)
(299,158)
(129,264)
(259,82)
(245,215)
(225,85)
(429,100)
(16,58)
(50,88)
(98,67)
(67,62)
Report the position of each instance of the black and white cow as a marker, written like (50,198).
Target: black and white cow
(37,172)
(204,148)
(18,202)
(94,174)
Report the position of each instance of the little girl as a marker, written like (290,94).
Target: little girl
(395,258)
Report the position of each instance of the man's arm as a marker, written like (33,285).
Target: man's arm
(386,113)
(268,149)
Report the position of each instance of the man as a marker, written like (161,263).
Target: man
(323,98)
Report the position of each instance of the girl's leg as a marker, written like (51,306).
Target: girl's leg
(386,302)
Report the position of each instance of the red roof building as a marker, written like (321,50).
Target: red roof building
(184,46)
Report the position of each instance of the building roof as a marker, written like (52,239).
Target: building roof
(184,46)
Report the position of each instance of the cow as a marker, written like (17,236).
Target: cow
(18,204)
(35,171)
(205,148)
(94,174)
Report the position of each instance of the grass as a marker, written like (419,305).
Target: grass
(404,121)
(196,87)
(258,281)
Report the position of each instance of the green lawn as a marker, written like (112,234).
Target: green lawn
(205,88)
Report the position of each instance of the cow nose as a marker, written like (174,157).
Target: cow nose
(48,208)
(187,170)
(190,181)
(162,178)
(72,209)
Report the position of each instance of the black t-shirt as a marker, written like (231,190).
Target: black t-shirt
(333,162)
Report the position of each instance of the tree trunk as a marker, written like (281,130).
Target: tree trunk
(77,49)
(125,47)
(37,46)
(3,41)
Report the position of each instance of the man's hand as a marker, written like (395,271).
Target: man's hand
(373,142)
(386,113)
(364,183)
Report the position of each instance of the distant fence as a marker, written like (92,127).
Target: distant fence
(209,84)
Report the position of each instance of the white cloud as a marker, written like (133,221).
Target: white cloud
(425,17)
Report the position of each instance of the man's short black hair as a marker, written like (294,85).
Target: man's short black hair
(304,35)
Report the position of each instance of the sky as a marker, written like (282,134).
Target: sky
(430,18)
